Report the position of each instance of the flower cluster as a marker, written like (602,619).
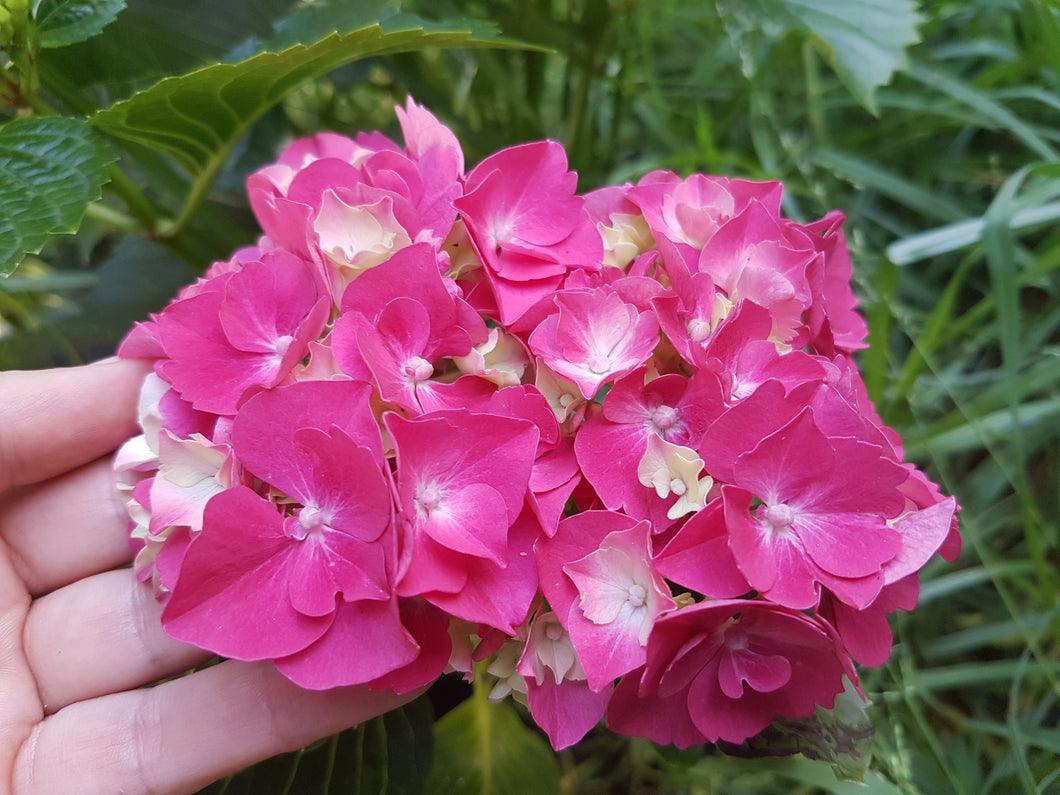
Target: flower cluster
(612,444)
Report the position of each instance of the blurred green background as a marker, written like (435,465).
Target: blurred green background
(934,125)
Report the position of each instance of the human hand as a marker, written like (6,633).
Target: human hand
(79,636)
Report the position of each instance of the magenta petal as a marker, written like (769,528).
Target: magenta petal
(310,590)
(866,634)
(232,593)
(367,640)
(698,556)
(923,533)
(762,672)
(662,720)
(493,595)
(472,520)
(567,711)
(429,626)
(721,717)
(267,422)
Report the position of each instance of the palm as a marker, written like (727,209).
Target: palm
(79,636)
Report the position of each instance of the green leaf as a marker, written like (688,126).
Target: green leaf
(93,309)
(152,39)
(482,748)
(198,118)
(63,22)
(865,40)
(841,736)
(388,755)
(51,169)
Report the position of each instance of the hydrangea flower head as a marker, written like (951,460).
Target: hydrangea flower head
(613,447)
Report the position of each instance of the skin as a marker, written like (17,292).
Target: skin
(80,637)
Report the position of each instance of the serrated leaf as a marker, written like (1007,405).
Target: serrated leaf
(51,169)
(197,118)
(152,39)
(865,40)
(482,748)
(63,22)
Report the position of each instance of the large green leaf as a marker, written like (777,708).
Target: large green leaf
(197,118)
(51,169)
(481,748)
(63,22)
(152,39)
(865,40)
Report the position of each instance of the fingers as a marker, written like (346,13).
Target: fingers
(100,635)
(183,734)
(56,420)
(66,529)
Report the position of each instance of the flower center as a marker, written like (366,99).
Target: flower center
(698,329)
(418,369)
(599,363)
(312,520)
(780,516)
(664,417)
(429,498)
(283,344)
(637,595)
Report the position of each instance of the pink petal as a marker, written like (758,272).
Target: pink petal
(366,641)
(232,594)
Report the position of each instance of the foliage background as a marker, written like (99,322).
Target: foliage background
(934,125)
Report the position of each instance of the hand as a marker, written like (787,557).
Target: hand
(79,636)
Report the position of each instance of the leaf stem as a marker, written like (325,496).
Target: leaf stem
(480,691)
(200,189)
(139,206)
(114,219)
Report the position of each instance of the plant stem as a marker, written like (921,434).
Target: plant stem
(115,219)
(139,206)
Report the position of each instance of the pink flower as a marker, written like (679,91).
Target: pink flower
(462,479)
(351,204)
(557,691)
(527,225)
(611,444)
(597,574)
(723,670)
(316,571)
(222,344)
(689,212)
(822,518)
(595,337)
(750,258)
(834,323)
(397,319)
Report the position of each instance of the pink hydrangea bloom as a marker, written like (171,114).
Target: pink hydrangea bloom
(723,670)
(527,225)
(597,575)
(613,446)
(221,344)
(595,337)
